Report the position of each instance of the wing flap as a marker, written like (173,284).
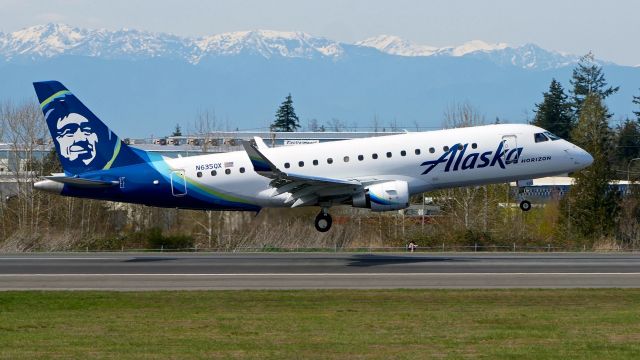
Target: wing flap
(304,190)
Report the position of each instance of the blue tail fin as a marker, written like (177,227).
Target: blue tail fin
(83,142)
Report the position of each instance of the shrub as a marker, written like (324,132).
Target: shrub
(155,240)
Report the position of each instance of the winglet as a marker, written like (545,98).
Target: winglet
(261,164)
(260,145)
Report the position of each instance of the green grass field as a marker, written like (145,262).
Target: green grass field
(322,324)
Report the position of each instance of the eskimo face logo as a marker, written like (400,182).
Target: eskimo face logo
(76,138)
(456,158)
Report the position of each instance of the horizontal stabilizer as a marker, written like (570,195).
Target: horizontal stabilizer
(80,182)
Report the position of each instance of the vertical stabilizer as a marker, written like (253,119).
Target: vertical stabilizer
(83,142)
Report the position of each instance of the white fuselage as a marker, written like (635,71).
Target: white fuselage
(423,159)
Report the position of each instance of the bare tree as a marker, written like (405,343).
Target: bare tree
(204,125)
(459,115)
(336,125)
(375,123)
(464,204)
(313,125)
(393,125)
(3,124)
(25,131)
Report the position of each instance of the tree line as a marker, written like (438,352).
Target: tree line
(593,208)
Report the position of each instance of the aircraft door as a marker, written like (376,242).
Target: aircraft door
(510,146)
(178,183)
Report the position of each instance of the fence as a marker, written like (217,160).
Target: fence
(444,248)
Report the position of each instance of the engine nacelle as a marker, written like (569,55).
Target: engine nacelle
(386,196)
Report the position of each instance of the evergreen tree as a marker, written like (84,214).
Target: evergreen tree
(51,163)
(588,78)
(636,100)
(554,113)
(286,118)
(628,142)
(591,208)
(177,131)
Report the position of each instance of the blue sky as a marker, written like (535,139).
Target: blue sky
(609,28)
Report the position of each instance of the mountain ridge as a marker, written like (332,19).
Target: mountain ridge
(51,40)
(143,82)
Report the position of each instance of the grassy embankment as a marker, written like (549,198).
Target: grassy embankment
(322,324)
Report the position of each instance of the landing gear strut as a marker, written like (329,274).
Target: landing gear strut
(323,221)
(525,205)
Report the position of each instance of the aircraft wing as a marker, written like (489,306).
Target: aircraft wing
(304,189)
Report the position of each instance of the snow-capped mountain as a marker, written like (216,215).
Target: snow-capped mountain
(144,82)
(47,41)
(528,56)
(397,46)
(52,40)
(268,44)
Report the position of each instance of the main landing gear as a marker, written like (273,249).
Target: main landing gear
(323,221)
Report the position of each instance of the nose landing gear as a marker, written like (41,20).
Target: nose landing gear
(323,221)
(525,205)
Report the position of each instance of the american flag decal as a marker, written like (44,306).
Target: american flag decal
(228,164)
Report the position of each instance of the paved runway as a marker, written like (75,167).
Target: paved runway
(139,271)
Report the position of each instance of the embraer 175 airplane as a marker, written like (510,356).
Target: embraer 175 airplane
(378,173)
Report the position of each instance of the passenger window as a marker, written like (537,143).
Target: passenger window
(539,137)
(432,150)
(214,173)
(300,163)
(346,159)
(315,162)
(374,156)
(403,153)
(460,146)
(388,154)
(199,174)
(287,165)
(445,148)
(360,157)
(474,146)
(329,161)
(242,170)
(417,151)
(227,171)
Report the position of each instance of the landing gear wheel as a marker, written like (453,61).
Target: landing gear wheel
(323,222)
(525,205)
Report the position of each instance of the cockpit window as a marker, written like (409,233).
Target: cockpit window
(539,137)
(552,136)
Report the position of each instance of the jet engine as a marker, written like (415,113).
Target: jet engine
(386,196)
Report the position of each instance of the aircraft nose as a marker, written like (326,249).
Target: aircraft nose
(580,156)
(586,158)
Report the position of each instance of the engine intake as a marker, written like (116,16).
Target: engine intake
(386,196)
